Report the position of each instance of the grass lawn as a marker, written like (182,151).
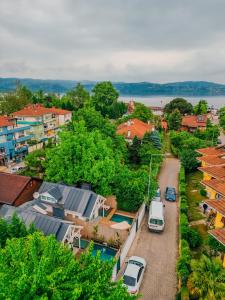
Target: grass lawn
(193,195)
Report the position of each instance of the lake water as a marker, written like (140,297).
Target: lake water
(216,101)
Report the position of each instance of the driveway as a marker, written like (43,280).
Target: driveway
(160,249)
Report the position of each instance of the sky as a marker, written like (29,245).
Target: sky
(117,40)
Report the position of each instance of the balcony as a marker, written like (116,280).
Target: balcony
(18,129)
(21,149)
(24,138)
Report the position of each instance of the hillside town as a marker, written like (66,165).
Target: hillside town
(131,189)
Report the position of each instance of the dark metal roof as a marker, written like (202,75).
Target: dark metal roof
(55,192)
(74,199)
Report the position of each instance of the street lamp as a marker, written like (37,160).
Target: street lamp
(150,171)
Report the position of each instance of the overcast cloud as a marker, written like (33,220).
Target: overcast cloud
(119,40)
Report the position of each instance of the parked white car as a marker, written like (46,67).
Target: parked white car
(134,273)
(156,220)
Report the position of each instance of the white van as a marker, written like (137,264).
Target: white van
(156,221)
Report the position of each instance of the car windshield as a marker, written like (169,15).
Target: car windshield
(158,194)
(156,221)
(128,280)
(170,191)
(134,262)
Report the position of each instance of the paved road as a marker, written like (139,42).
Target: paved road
(160,250)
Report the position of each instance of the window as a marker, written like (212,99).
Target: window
(128,280)
(156,222)
(139,273)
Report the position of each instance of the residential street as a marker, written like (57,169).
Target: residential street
(160,250)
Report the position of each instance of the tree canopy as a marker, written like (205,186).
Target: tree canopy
(201,108)
(105,100)
(83,156)
(222,117)
(142,112)
(181,104)
(38,267)
(207,280)
(174,120)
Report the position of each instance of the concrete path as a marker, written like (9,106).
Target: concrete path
(160,249)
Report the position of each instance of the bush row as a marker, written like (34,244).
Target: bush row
(189,237)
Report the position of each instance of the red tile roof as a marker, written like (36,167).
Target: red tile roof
(134,127)
(212,160)
(11,186)
(212,150)
(216,185)
(217,172)
(218,205)
(5,121)
(40,110)
(194,121)
(219,235)
(164,125)
(33,110)
(59,111)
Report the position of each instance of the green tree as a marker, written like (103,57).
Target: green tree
(105,100)
(207,280)
(201,108)
(174,120)
(34,163)
(14,101)
(78,96)
(83,156)
(142,112)
(181,104)
(11,228)
(133,151)
(222,117)
(188,159)
(39,267)
(130,188)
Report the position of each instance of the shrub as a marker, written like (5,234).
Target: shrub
(184,207)
(182,189)
(183,263)
(203,192)
(194,238)
(215,245)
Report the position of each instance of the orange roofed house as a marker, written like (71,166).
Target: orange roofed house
(134,127)
(213,169)
(192,123)
(44,121)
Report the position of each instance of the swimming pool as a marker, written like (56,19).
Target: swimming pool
(120,218)
(106,252)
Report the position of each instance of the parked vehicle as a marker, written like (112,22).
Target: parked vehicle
(156,220)
(16,169)
(170,194)
(133,274)
(157,196)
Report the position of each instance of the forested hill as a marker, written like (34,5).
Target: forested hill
(187,88)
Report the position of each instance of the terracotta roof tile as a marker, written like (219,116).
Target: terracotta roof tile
(11,186)
(217,172)
(59,111)
(194,121)
(212,150)
(134,127)
(212,160)
(33,110)
(5,121)
(215,184)
(219,235)
(218,205)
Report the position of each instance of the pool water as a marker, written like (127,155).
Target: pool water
(120,218)
(106,252)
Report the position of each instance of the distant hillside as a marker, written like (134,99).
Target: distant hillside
(187,88)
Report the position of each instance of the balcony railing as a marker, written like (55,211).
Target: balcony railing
(24,138)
